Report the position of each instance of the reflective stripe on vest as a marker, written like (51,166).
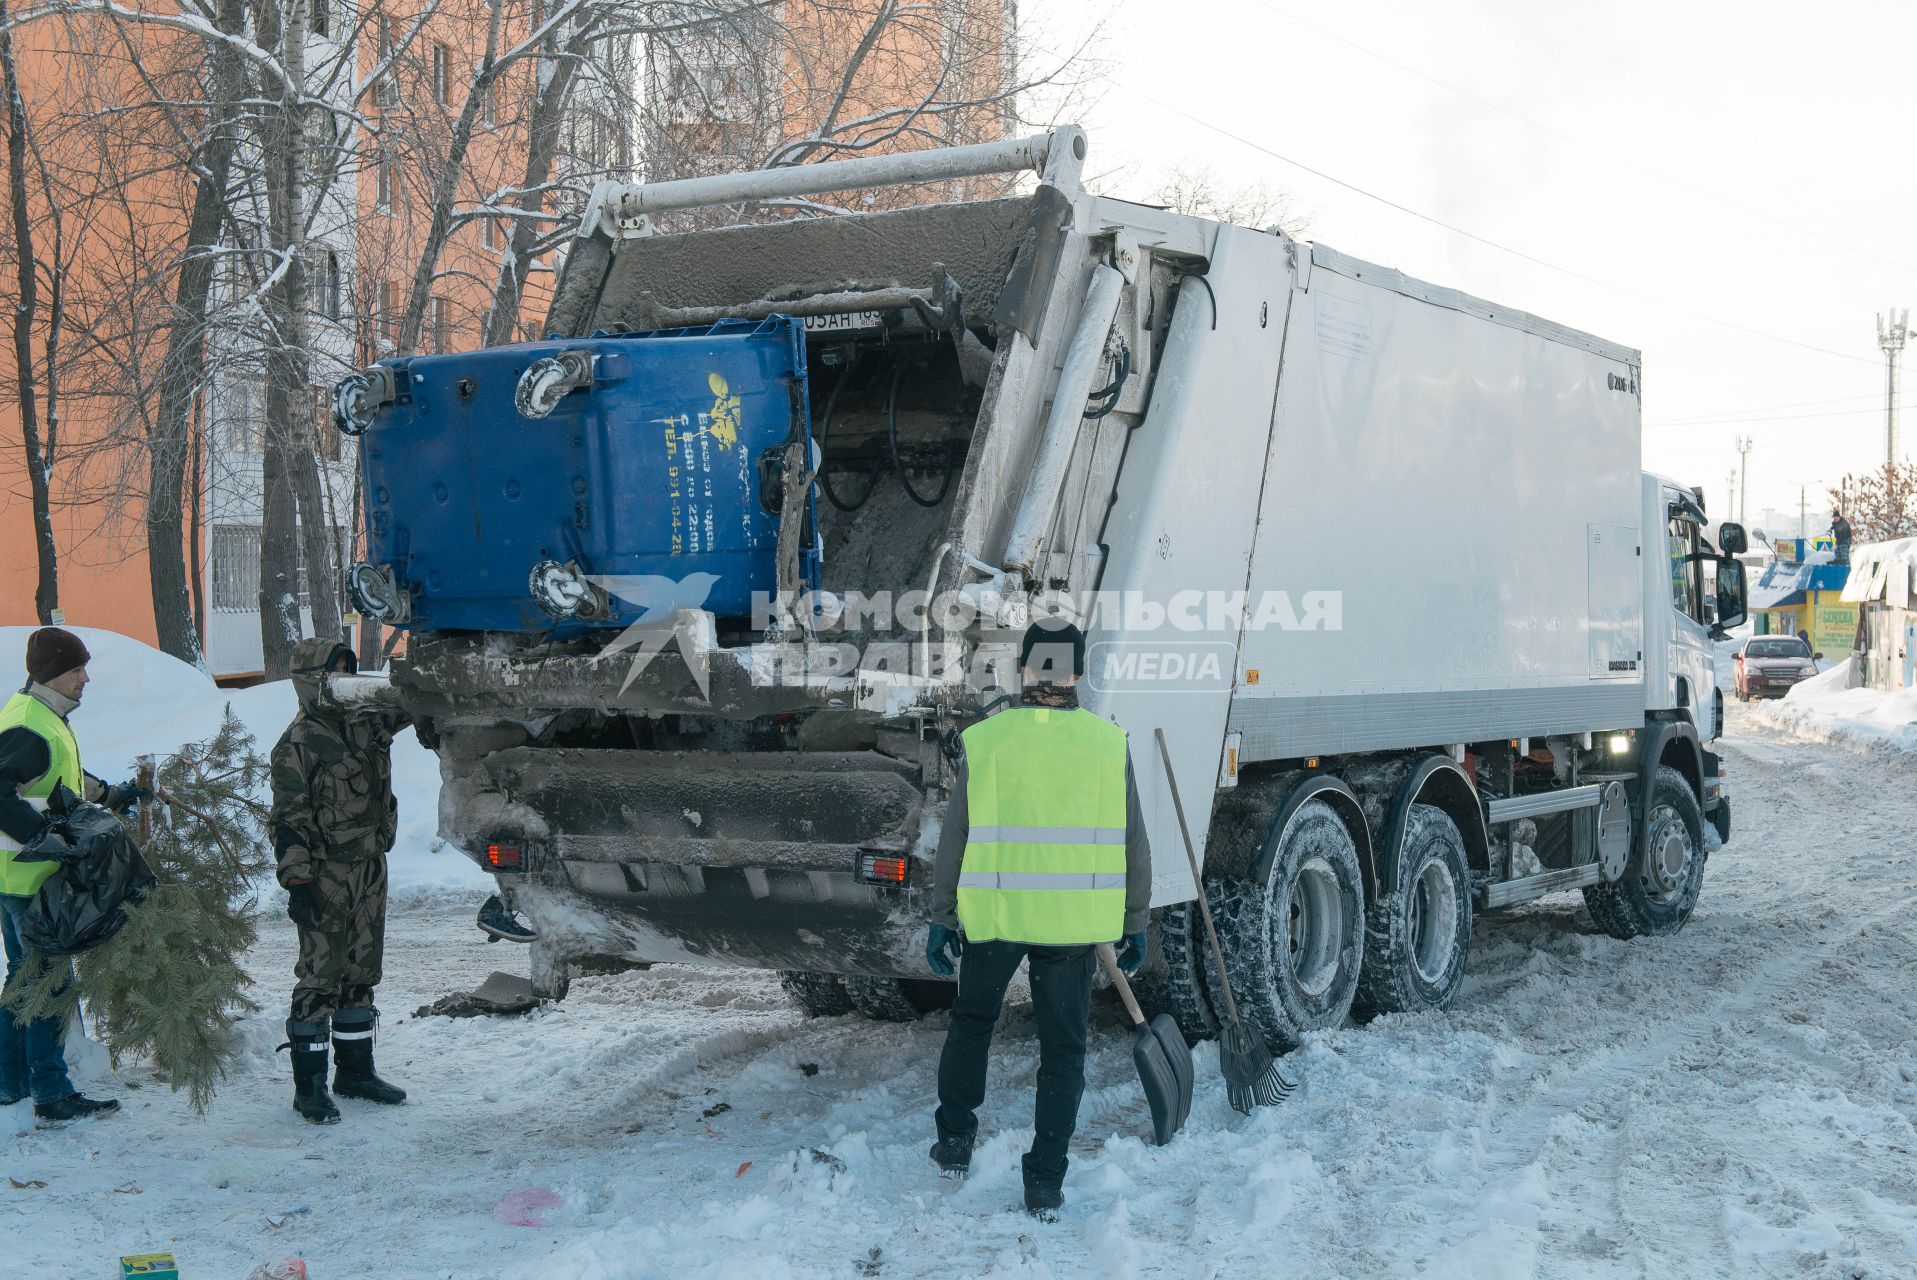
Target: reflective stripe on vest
(23,710)
(1045,852)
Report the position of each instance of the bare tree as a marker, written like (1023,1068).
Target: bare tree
(1199,191)
(1880,504)
(34,385)
(819,80)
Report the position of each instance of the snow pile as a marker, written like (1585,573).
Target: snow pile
(140,701)
(1824,708)
(1736,1100)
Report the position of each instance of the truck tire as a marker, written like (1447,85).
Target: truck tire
(898,999)
(1294,944)
(1417,936)
(1659,887)
(1179,987)
(818,995)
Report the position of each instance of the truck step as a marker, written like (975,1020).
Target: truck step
(1515,891)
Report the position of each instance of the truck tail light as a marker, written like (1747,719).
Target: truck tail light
(505,857)
(879,868)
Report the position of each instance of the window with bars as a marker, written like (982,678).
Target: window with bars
(233,556)
(325,435)
(331,287)
(241,404)
(442,74)
(319,17)
(388,311)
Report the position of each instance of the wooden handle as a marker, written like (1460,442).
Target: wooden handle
(1197,880)
(1109,958)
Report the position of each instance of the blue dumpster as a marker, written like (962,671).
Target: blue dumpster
(656,478)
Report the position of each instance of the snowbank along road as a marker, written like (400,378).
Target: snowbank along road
(1736,1101)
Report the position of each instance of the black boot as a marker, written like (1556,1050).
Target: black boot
(953,1156)
(353,1042)
(75,1106)
(307,1040)
(1044,1187)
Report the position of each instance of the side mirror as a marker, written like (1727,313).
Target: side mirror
(1817,657)
(1733,598)
(1731,539)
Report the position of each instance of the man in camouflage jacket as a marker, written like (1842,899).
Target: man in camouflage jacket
(333,822)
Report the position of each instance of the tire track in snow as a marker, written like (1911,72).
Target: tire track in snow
(1582,1121)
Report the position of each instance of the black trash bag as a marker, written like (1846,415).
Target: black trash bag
(101,874)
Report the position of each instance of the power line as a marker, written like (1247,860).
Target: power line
(1731,415)
(1484,240)
(1592,147)
(1876,409)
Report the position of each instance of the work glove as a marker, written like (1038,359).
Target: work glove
(942,946)
(302,904)
(1131,953)
(124,796)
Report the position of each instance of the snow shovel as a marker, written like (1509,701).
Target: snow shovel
(1251,1074)
(1160,1054)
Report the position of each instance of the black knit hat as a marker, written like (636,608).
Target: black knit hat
(52,652)
(1052,649)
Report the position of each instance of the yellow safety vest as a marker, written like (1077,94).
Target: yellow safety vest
(1045,853)
(23,879)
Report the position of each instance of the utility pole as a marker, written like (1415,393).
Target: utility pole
(1730,494)
(1743,476)
(1892,328)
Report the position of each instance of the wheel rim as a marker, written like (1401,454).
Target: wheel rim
(1317,935)
(1669,856)
(1431,923)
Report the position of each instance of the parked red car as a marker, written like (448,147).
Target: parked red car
(1767,666)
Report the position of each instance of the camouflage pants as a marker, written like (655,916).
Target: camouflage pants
(340,956)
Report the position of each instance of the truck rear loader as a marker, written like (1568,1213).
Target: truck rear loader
(701,589)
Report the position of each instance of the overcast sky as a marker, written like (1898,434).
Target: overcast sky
(1689,155)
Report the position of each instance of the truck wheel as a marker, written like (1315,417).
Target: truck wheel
(818,995)
(1179,988)
(1293,945)
(898,999)
(1417,936)
(1659,887)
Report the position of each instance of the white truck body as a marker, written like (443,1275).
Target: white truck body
(1375,556)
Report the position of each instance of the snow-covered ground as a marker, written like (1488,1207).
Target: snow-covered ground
(1825,709)
(1737,1101)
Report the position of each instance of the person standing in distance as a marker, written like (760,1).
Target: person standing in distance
(38,752)
(1042,856)
(333,822)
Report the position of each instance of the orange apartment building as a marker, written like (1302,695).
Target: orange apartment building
(722,97)
(361,256)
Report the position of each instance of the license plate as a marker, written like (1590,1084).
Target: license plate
(844,322)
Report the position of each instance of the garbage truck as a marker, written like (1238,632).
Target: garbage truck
(700,590)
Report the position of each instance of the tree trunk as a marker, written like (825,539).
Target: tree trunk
(168,573)
(542,146)
(39,448)
(446,187)
(280,147)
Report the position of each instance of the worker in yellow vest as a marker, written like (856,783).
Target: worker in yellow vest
(1042,856)
(38,753)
